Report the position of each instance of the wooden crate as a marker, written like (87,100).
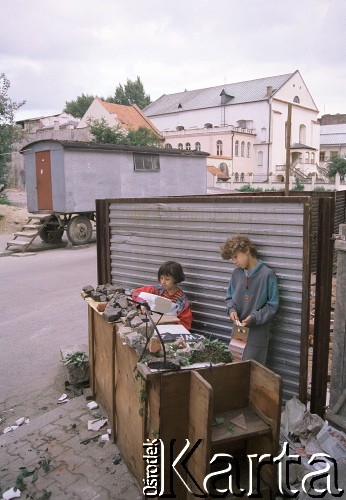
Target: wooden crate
(179,405)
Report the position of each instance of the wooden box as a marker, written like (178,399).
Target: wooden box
(182,405)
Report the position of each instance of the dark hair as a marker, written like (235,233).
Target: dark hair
(171,268)
(235,244)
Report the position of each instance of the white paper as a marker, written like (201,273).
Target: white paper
(11,493)
(92,405)
(95,425)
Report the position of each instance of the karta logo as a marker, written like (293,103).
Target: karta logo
(155,460)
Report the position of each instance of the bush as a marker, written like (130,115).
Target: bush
(249,189)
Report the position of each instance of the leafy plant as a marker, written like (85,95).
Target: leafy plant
(249,189)
(218,421)
(214,351)
(299,186)
(76,358)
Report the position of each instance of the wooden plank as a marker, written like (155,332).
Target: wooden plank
(130,408)
(200,418)
(230,383)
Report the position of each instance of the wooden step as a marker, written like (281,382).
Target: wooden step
(18,243)
(39,216)
(26,234)
(32,226)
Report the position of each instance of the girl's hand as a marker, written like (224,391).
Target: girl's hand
(246,321)
(234,316)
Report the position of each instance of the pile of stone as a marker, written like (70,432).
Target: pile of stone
(115,303)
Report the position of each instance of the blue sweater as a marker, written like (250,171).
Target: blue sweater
(254,293)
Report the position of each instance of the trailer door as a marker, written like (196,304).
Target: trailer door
(43,180)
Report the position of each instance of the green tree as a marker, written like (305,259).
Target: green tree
(9,132)
(337,165)
(299,186)
(78,107)
(103,133)
(143,137)
(131,93)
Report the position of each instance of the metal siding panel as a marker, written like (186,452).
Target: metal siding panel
(143,235)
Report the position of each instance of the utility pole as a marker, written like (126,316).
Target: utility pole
(288,148)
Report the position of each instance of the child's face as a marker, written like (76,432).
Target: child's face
(241,259)
(168,282)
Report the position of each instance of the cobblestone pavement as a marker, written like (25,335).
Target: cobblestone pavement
(47,460)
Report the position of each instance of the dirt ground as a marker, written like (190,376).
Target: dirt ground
(12,218)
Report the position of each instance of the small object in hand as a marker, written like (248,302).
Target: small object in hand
(154,345)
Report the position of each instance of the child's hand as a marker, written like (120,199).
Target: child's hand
(246,321)
(234,317)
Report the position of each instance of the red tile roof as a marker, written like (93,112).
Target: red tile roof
(216,171)
(129,117)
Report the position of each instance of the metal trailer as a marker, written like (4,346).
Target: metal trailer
(64,178)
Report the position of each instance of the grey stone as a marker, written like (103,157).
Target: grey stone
(136,341)
(88,289)
(135,322)
(112,313)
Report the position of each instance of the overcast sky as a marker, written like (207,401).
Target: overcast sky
(54,50)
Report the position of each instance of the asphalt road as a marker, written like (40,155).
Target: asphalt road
(41,311)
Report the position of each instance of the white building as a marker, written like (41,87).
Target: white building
(243,125)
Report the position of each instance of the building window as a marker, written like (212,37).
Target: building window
(242,149)
(198,146)
(312,157)
(302,134)
(242,124)
(260,158)
(296,99)
(248,149)
(223,167)
(168,146)
(180,146)
(208,125)
(146,162)
(236,176)
(322,156)
(179,127)
(219,148)
(188,146)
(236,148)
(307,157)
(263,134)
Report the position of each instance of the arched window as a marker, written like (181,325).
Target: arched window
(208,125)
(168,146)
(296,99)
(236,176)
(242,149)
(188,146)
(236,148)
(302,134)
(180,146)
(312,157)
(260,158)
(180,127)
(198,146)
(248,149)
(219,148)
(223,167)
(307,157)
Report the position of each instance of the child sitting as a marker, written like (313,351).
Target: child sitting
(169,275)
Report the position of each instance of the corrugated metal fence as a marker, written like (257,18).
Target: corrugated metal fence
(143,233)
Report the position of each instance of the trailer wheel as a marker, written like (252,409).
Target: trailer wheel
(79,230)
(53,231)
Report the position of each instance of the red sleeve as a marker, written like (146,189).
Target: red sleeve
(147,289)
(185,318)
